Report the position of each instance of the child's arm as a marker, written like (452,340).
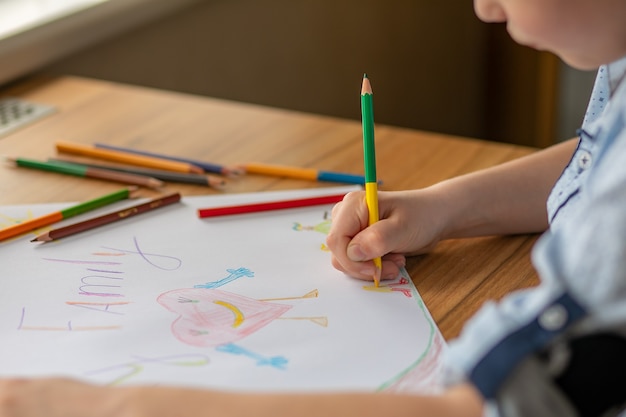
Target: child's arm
(66,398)
(506,199)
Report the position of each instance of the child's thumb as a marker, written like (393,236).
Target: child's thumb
(355,253)
(372,242)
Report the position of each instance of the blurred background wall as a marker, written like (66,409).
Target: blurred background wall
(433,65)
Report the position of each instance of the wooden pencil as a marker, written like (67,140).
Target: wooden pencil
(107,218)
(206,166)
(127,158)
(310,174)
(369,157)
(48,219)
(272,205)
(213,181)
(88,172)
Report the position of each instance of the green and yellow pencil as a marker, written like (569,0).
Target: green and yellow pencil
(369,156)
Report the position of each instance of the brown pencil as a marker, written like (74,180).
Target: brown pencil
(107,218)
(212,181)
(124,177)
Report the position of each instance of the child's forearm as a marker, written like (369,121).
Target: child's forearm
(505,199)
(462,401)
(54,397)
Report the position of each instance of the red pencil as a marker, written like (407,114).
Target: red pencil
(273,205)
(107,218)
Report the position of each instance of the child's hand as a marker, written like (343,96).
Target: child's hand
(409,224)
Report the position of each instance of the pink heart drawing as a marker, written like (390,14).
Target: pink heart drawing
(210,317)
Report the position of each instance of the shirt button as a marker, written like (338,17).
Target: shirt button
(584,160)
(554,318)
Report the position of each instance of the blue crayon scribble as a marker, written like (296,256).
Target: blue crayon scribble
(278,362)
(234,275)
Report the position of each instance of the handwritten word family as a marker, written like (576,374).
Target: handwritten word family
(101,284)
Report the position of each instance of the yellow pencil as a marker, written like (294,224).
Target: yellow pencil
(369,153)
(127,158)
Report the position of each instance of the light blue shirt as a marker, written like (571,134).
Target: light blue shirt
(581,259)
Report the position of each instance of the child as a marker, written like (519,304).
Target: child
(557,349)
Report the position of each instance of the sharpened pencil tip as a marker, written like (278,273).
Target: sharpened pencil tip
(216,182)
(154,183)
(366,87)
(233,171)
(133,191)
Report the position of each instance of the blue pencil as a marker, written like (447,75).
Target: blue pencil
(311,174)
(206,166)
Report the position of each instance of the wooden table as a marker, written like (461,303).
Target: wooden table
(454,280)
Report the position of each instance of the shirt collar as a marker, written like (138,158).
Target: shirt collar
(616,72)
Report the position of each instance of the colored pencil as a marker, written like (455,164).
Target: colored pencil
(48,219)
(212,181)
(369,157)
(272,205)
(124,157)
(206,166)
(107,218)
(302,173)
(89,172)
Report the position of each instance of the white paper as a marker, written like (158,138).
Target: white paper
(243,302)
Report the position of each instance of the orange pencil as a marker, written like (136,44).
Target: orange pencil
(50,218)
(310,174)
(127,158)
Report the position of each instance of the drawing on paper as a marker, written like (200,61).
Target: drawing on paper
(402,285)
(122,373)
(322,227)
(424,375)
(209,323)
(213,318)
(207,317)
(278,362)
(233,274)
(69,327)
(210,317)
(6,220)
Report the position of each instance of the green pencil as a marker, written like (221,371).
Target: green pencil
(89,172)
(47,219)
(369,156)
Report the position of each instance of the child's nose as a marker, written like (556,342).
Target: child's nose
(489,11)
